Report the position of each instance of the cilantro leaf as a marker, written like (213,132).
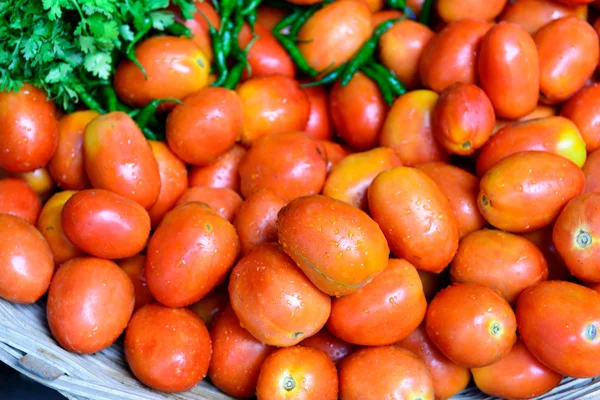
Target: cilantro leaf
(161,19)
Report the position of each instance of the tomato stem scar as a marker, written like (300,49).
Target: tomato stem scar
(591,331)
(289,383)
(495,329)
(584,239)
(484,201)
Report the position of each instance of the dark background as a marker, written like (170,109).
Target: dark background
(14,386)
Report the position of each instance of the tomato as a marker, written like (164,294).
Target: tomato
(175,67)
(67,166)
(558,321)
(448,378)
(433,283)
(500,260)
(334,152)
(540,111)
(335,348)
(319,125)
(451,55)
(461,188)
(167,349)
(376,315)
(590,170)
(290,164)
(463,118)
(134,268)
(533,14)
(224,172)
(50,225)
(40,181)
(453,10)
(237,356)
(517,375)
(26,264)
(256,219)
(173,180)
(269,16)
(388,372)
(189,254)
(407,129)
(557,135)
(415,216)
(583,108)
(210,305)
(327,45)
(542,238)
(205,126)
(336,245)
(225,202)
(384,15)
(266,56)
(118,158)
(274,300)
(358,111)
(18,198)
(299,373)
(89,304)
(509,69)
(517,201)
(349,179)
(471,324)
(272,104)
(29,129)
(104,224)
(199,26)
(400,49)
(575,2)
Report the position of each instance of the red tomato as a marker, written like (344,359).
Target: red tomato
(211,304)
(584,110)
(269,16)
(453,10)
(540,111)
(591,170)
(335,348)
(134,268)
(18,198)
(225,202)
(319,124)
(334,152)
(266,57)
(224,172)
(40,181)
(533,14)
(199,26)
(542,238)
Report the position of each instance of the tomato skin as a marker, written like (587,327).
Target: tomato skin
(499,260)
(558,322)
(167,349)
(376,314)
(534,14)
(518,375)
(319,125)
(290,164)
(118,158)
(542,239)
(29,129)
(540,111)
(266,57)
(199,26)
(471,324)
(583,108)
(506,196)
(89,304)
(387,372)
(104,224)
(590,170)
(18,198)
(26,264)
(407,129)
(451,55)
(269,16)
(349,179)
(556,134)
(384,15)
(328,45)
(40,181)
(339,247)
(453,10)
(334,152)
(396,199)
(224,172)
(237,356)
(205,126)
(335,348)
(178,277)
(134,268)
(309,370)
(225,202)
(274,301)
(175,67)
(210,305)
(511,81)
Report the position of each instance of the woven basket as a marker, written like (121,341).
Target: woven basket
(27,346)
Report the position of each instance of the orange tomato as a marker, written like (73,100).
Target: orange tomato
(319,125)
(591,170)
(134,268)
(211,304)
(18,198)
(223,201)
(533,14)
(334,152)
(542,238)
(583,108)
(540,111)
(199,26)
(266,57)
(224,172)
(40,181)
(269,16)
(453,10)
(335,348)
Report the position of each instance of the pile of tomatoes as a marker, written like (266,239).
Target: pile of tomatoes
(313,242)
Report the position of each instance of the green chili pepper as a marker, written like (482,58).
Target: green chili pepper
(227,39)
(111,98)
(330,77)
(426,10)
(227,8)
(394,83)
(89,101)
(234,75)
(130,50)
(396,4)
(386,92)
(178,29)
(288,44)
(146,113)
(251,19)
(149,134)
(251,7)
(287,21)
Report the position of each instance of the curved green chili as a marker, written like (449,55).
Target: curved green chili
(89,101)
(227,38)
(287,21)
(426,11)
(396,4)
(328,78)
(235,74)
(288,44)
(386,92)
(179,29)
(130,50)
(394,83)
(146,113)
(111,98)
(149,134)
(227,8)
(251,7)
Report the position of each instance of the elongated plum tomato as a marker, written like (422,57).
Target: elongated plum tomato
(167,349)
(210,305)
(591,170)
(274,300)
(223,201)
(583,108)
(40,181)
(555,134)
(509,70)
(26,264)
(453,10)
(198,25)
(224,172)
(517,375)
(335,348)
(134,268)
(205,126)
(499,260)
(236,356)
(67,166)
(89,304)
(471,324)
(175,67)
(386,372)
(189,254)
(376,314)
(118,158)
(334,152)
(542,239)
(50,225)
(327,45)
(526,191)
(336,245)
(319,125)
(448,378)
(18,198)
(29,129)
(416,218)
(534,14)
(540,111)
(268,16)
(558,321)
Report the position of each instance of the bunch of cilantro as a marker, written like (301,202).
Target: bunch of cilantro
(68,47)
